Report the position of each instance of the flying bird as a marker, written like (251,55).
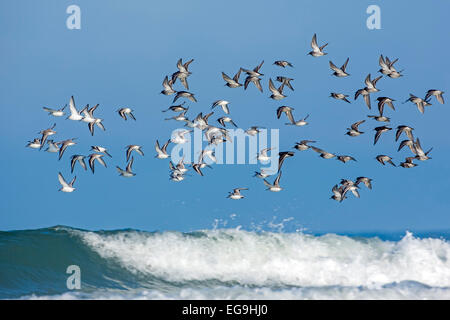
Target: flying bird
(383,158)
(275,187)
(223,104)
(168,87)
(133,147)
(236,194)
(124,111)
(323,154)
(419,102)
(162,152)
(286,81)
(303,145)
(339,72)
(46,133)
(353,131)
(184,94)
(339,96)
(283,63)
(288,111)
(77,158)
(55,113)
(379,131)
(406,129)
(101,150)
(66,187)
(74,113)
(316,50)
(385,100)
(232,83)
(128,171)
(437,93)
(64,145)
(98,157)
(277,94)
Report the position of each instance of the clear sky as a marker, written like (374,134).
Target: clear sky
(119,58)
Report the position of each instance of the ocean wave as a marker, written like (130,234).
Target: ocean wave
(269,258)
(222,263)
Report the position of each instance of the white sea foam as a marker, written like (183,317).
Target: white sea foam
(319,267)
(401,291)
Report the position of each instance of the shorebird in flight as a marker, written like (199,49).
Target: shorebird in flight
(128,170)
(339,72)
(66,187)
(383,158)
(224,120)
(53,146)
(345,159)
(437,93)
(182,72)
(353,131)
(385,100)
(379,118)
(77,158)
(282,156)
(168,87)
(263,156)
(35,144)
(179,117)
(124,111)
(55,113)
(101,150)
(420,154)
(338,193)
(46,133)
(303,145)
(275,187)
(366,95)
(419,102)
(223,104)
(236,194)
(288,111)
(408,163)
(98,157)
(367,181)
(283,63)
(179,136)
(316,50)
(371,84)
(286,81)
(322,153)
(64,145)
(74,113)
(255,72)
(162,152)
(339,96)
(133,147)
(387,68)
(379,131)
(232,83)
(299,123)
(277,94)
(409,143)
(184,94)
(253,131)
(406,129)
(255,80)
(177,108)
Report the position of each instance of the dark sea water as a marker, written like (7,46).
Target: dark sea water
(223,264)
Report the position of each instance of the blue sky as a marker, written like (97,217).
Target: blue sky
(119,58)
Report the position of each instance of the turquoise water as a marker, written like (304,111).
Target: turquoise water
(223,264)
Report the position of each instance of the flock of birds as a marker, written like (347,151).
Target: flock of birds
(216,135)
